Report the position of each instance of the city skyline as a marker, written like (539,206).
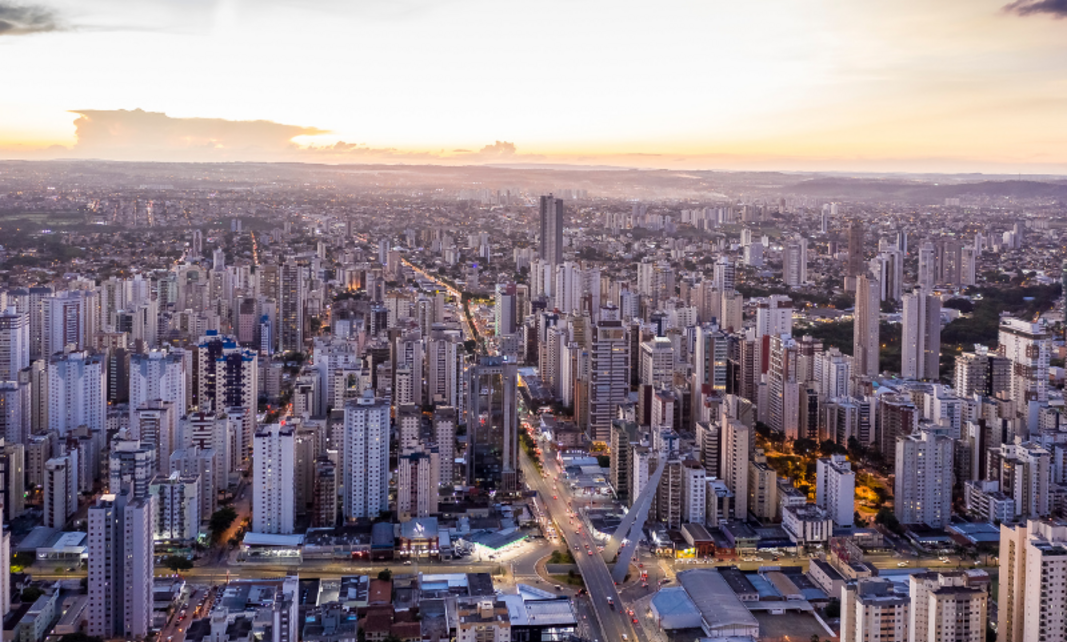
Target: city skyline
(961,87)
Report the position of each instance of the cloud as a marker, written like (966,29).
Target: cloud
(499,148)
(1054,8)
(138,134)
(19,19)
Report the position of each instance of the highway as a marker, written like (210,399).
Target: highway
(614,623)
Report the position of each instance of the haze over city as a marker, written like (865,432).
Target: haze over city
(951,86)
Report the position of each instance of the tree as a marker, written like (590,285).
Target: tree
(886,518)
(833,608)
(804,446)
(30,594)
(221,520)
(177,563)
(385,575)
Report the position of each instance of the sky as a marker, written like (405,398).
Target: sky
(909,85)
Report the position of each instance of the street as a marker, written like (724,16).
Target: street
(612,620)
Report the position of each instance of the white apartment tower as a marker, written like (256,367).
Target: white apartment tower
(418,471)
(657,362)
(1028,347)
(835,489)
(158,375)
(273,502)
(736,448)
(920,351)
(365,457)
(120,567)
(923,487)
(77,392)
(1032,602)
(795,262)
(872,612)
(946,607)
(176,507)
(14,344)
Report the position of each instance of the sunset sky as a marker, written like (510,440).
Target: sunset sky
(910,85)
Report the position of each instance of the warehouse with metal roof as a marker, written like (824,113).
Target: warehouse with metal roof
(721,612)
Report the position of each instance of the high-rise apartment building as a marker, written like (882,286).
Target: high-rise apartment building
(923,487)
(948,607)
(15,411)
(14,344)
(928,272)
(493,425)
(444,430)
(273,502)
(176,507)
(65,321)
(291,301)
(865,346)
(552,223)
(920,350)
(1024,472)
(835,489)
(609,372)
(131,466)
(855,248)
(795,261)
(226,379)
(1028,347)
(158,375)
(120,567)
(982,372)
(77,392)
(324,504)
(365,457)
(1032,599)
(694,492)
(871,611)
(783,389)
(13,478)
(736,446)
(60,490)
(762,488)
(416,483)
(657,362)
(155,424)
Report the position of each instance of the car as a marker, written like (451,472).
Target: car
(635,620)
(554,497)
(407,562)
(640,565)
(625,637)
(590,553)
(902,564)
